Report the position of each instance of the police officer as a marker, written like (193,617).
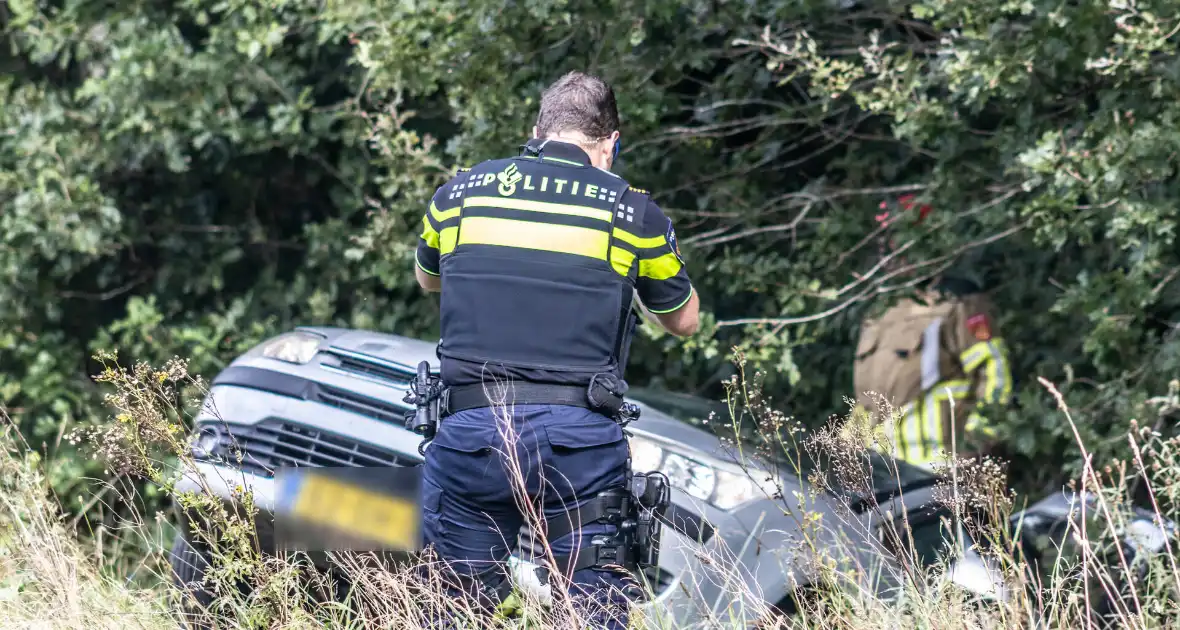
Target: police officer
(539,259)
(927,353)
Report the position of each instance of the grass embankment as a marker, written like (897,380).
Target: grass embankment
(48,578)
(51,578)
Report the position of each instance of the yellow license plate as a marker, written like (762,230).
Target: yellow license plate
(324,501)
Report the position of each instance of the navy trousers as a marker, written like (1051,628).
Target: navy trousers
(563,457)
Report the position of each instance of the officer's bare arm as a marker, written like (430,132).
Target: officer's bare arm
(681,322)
(428,282)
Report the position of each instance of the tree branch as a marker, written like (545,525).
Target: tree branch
(107,295)
(877,287)
(1155,293)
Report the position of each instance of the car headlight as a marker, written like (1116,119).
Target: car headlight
(1145,536)
(693,477)
(724,487)
(645,455)
(295,347)
(205,446)
(734,489)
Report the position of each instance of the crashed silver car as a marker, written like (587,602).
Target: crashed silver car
(332,397)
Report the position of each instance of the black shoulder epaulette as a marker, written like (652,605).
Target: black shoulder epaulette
(638,190)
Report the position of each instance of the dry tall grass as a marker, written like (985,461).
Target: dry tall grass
(48,579)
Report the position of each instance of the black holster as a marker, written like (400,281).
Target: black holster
(636,512)
(605,395)
(652,495)
(426,395)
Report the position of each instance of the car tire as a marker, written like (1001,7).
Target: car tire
(188,566)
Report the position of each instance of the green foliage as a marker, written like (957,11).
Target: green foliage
(188,178)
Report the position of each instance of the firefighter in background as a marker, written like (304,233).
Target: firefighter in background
(934,357)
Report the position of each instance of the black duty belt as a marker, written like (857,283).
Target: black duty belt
(464,397)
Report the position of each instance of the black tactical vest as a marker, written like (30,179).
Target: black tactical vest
(536,286)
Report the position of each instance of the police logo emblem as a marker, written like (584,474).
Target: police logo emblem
(508,179)
(673,243)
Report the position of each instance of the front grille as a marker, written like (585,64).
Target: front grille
(271,444)
(374,370)
(365,406)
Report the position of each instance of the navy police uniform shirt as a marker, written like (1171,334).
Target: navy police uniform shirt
(540,256)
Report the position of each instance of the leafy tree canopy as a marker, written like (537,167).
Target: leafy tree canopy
(186,178)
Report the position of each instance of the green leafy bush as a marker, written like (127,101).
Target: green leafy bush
(188,178)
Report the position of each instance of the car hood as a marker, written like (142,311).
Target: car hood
(657,423)
(406,353)
(396,349)
(409,352)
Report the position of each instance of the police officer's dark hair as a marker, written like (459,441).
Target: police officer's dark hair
(578,102)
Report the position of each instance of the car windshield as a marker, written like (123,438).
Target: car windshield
(886,474)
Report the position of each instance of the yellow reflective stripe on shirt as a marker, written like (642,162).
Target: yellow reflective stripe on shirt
(621,260)
(550,237)
(659,268)
(439,217)
(640,241)
(538,206)
(429,235)
(446,241)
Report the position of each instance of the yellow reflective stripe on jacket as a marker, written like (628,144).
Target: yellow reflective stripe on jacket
(555,237)
(998,387)
(622,260)
(914,439)
(439,217)
(973,357)
(660,268)
(640,241)
(997,373)
(919,440)
(550,237)
(877,434)
(446,241)
(910,445)
(429,235)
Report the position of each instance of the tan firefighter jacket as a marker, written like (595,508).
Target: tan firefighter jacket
(922,356)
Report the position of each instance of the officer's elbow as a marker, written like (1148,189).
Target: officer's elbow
(687,328)
(426,281)
(684,321)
